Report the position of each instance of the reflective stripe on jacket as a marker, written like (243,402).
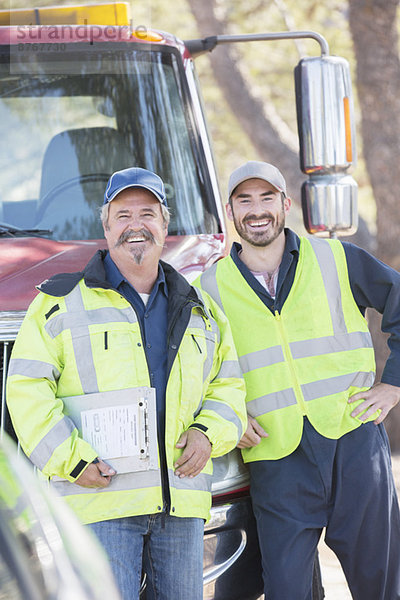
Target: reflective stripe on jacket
(89,340)
(308,359)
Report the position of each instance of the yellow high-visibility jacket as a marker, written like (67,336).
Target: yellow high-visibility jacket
(306,360)
(60,351)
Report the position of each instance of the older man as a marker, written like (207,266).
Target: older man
(130,321)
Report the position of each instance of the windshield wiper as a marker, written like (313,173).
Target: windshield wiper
(8,230)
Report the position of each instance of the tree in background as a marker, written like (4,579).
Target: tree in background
(373,26)
(374,29)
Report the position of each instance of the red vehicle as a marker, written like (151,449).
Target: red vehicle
(82,95)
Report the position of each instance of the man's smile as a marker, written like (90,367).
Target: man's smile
(133,239)
(260,223)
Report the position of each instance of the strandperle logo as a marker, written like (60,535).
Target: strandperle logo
(64,33)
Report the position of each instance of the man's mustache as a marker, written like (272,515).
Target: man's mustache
(258,217)
(147,235)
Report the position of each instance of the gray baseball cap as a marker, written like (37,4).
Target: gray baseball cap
(255,169)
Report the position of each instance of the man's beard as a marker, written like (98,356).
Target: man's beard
(262,238)
(137,249)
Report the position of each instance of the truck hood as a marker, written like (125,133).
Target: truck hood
(26,262)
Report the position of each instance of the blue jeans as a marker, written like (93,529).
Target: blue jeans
(169,549)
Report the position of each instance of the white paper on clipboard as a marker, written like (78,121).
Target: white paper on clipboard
(114,430)
(120,425)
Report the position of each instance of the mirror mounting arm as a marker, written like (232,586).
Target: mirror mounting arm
(200,46)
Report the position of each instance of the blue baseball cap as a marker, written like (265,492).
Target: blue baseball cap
(135,177)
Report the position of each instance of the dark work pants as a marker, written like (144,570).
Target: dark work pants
(345,485)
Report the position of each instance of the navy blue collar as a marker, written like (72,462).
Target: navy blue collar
(292,246)
(287,270)
(115,277)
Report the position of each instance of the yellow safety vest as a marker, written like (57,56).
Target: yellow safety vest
(90,341)
(305,361)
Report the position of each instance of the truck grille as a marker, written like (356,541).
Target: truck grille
(5,421)
(9,326)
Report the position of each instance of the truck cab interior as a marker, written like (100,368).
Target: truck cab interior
(89,114)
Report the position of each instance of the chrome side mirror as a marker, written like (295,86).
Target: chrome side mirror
(325,117)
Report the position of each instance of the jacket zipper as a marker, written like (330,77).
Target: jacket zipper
(166,497)
(165,488)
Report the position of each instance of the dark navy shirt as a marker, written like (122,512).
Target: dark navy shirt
(153,320)
(373,284)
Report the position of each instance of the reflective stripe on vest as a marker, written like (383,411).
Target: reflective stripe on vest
(305,348)
(270,402)
(311,391)
(334,385)
(261,358)
(327,265)
(209,283)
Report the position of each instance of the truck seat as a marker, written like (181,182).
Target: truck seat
(75,169)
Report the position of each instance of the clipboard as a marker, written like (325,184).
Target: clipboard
(121,425)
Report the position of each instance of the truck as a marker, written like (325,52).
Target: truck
(83,94)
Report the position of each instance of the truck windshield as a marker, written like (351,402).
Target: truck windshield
(72,117)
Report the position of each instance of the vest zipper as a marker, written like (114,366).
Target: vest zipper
(289,360)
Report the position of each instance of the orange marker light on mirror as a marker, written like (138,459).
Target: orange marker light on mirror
(347,126)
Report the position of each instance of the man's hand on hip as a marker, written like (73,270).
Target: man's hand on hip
(96,475)
(382,396)
(253,434)
(197,451)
